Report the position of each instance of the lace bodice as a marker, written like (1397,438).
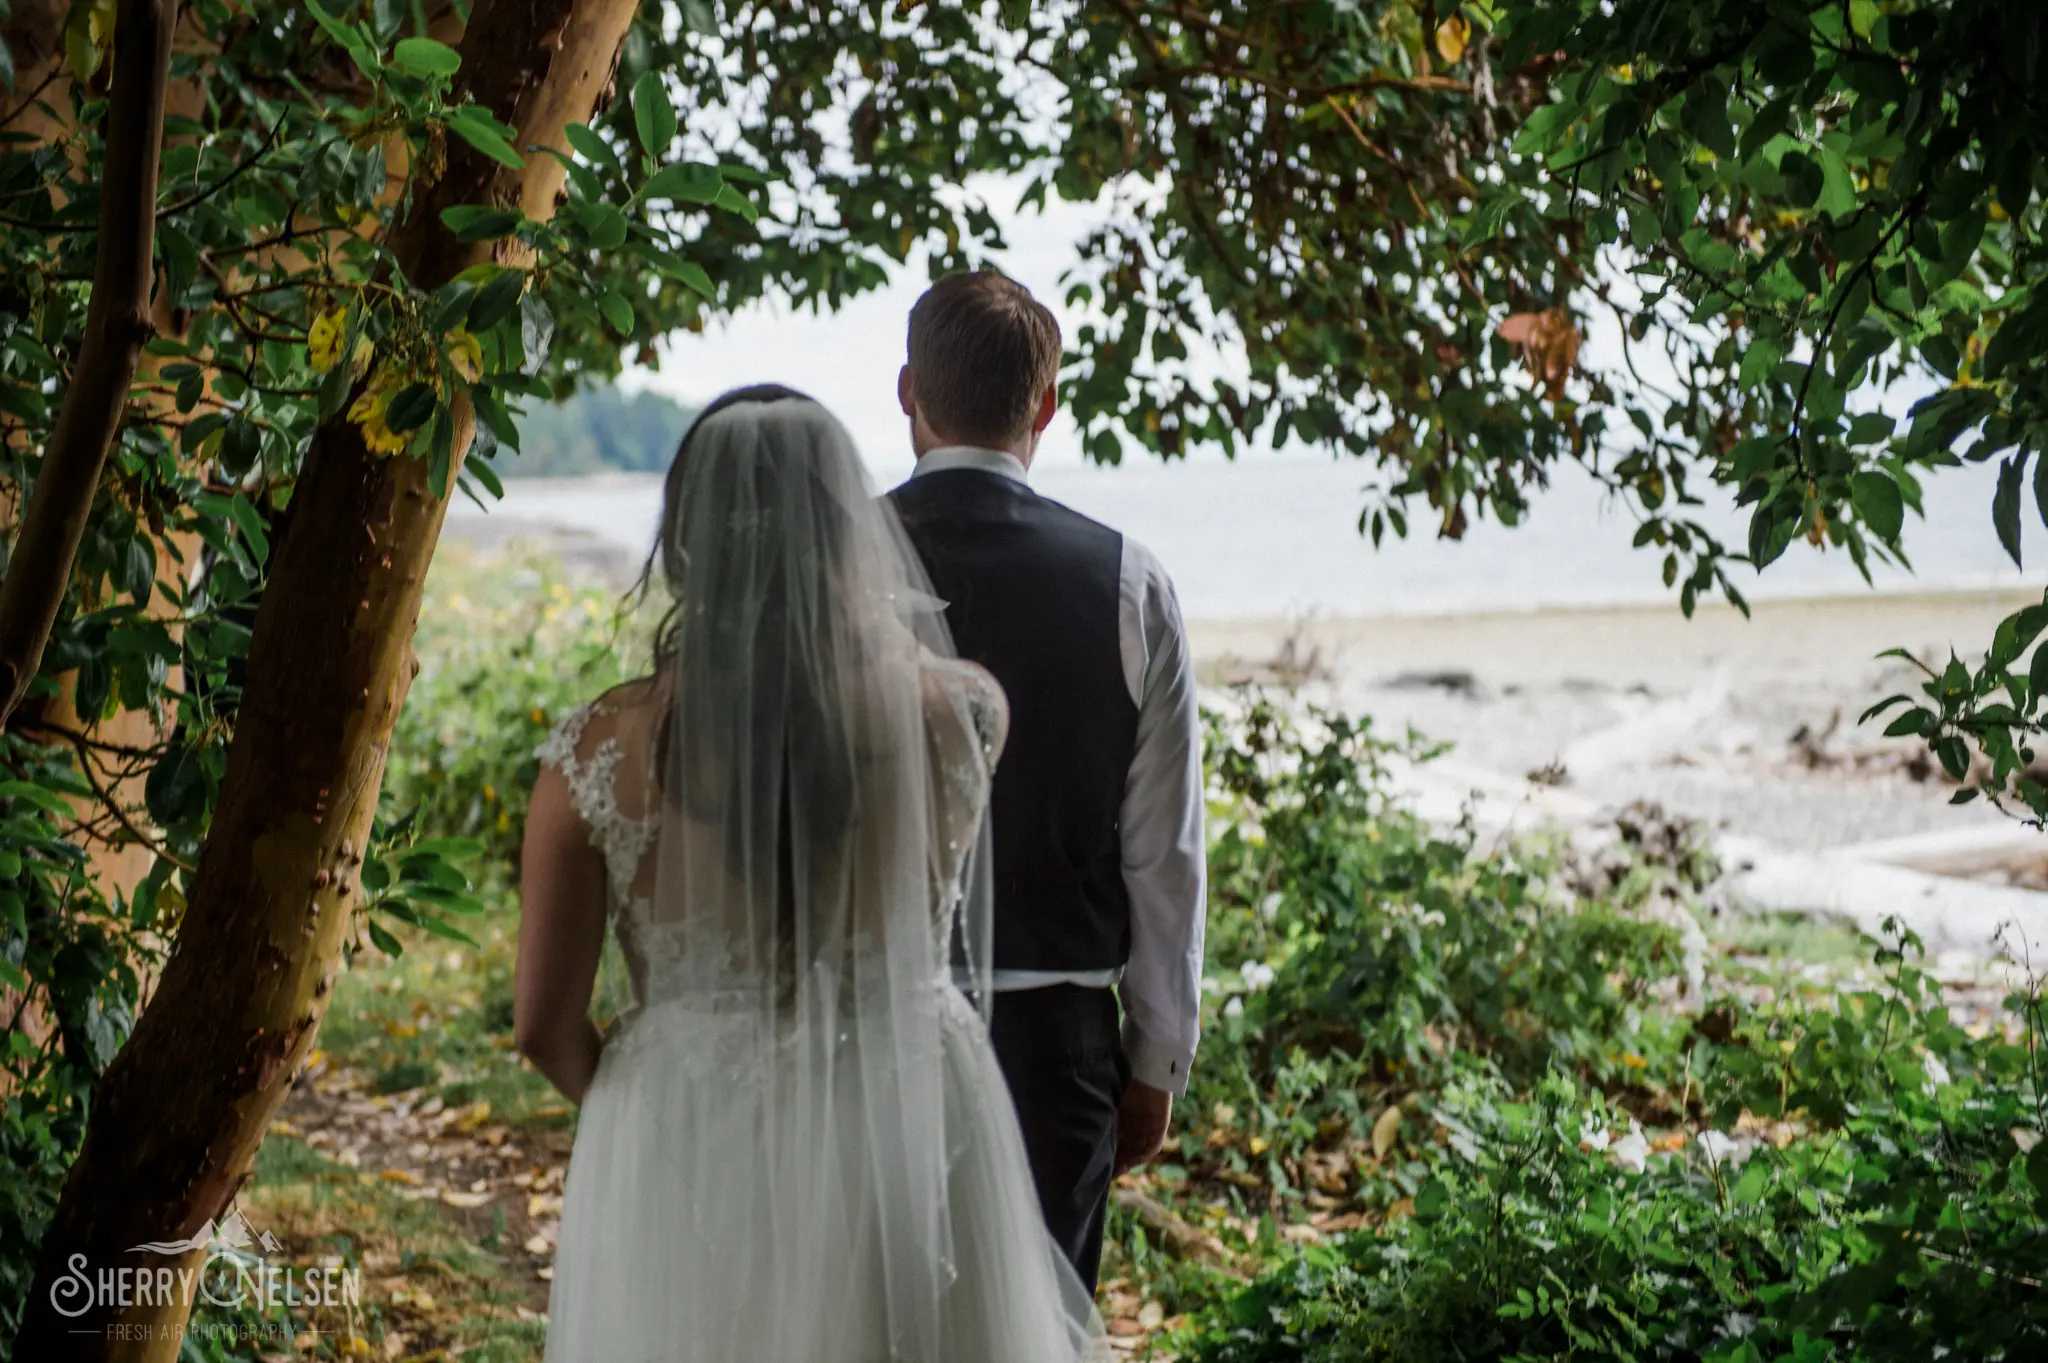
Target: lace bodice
(624,841)
(606,759)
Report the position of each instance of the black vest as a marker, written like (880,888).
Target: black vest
(1031,594)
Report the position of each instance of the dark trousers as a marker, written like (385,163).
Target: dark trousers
(1063,1055)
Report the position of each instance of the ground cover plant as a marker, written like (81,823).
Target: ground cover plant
(1453,1108)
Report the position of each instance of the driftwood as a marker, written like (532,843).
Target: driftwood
(1862,883)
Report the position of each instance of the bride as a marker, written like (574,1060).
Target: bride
(795,1146)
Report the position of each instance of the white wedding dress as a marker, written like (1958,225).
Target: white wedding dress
(711,1214)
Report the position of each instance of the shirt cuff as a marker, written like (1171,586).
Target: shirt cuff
(1162,1066)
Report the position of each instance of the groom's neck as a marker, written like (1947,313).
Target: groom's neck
(924,440)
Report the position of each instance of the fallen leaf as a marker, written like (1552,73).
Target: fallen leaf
(538,1245)
(1386,1128)
(474,1116)
(1152,1315)
(464,1200)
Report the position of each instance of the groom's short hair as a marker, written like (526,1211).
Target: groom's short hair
(983,350)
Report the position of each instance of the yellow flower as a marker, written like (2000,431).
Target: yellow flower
(323,340)
(466,354)
(368,411)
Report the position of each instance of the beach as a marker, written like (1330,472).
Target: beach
(1566,680)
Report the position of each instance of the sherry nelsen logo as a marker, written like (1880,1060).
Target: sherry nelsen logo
(235,1272)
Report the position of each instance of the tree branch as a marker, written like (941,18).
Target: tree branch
(241,168)
(116,325)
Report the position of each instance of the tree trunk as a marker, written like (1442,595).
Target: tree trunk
(177,1119)
(116,325)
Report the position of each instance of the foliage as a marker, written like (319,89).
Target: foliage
(509,648)
(1822,204)
(1382,959)
(1910,1229)
(1850,1175)
(69,961)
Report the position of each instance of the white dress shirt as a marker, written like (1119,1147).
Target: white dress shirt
(1160,826)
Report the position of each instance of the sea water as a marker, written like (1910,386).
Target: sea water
(1276,536)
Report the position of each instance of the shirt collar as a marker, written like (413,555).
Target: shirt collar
(999,462)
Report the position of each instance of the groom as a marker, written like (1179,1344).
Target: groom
(1097,807)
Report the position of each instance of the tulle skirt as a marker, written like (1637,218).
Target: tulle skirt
(663,1260)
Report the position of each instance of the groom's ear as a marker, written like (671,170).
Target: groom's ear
(906,390)
(1048,403)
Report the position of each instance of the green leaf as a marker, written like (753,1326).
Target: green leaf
(412,408)
(175,789)
(2005,505)
(617,311)
(384,941)
(687,183)
(607,227)
(1878,504)
(592,148)
(490,409)
(474,125)
(440,452)
(692,276)
(2041,489)
(654,118)
(473,222)
(733,201)
(481,470)
(1759,360)
(337,30)
(1750,1186)
(1838,191)
(424,57)
(31,793)
(496,300)
(2037,678)
(251,525)
(1959,239)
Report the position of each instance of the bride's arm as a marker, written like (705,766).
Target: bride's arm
(561,933)
(968,721)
